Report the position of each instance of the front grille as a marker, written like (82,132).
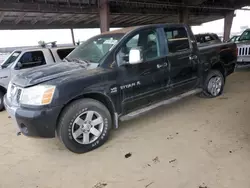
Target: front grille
(244,51)
(19,91)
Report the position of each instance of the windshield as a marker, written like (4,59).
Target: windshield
(245,36)
(95,48)
(12,58)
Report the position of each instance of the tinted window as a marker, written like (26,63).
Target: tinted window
(245,36)
(132,43)
(232,39)
(177,39)
(147,40)
(31,59)
(62,53)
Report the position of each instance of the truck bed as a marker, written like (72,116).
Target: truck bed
(227,53)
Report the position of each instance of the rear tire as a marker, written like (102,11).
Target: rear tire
(84,125)
(213,85)
(1,101)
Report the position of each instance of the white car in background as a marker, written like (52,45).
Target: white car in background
(26,59)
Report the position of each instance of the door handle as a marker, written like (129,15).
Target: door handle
(162,65)
(193,57)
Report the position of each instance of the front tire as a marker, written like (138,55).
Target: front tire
(213,85)
(84,125)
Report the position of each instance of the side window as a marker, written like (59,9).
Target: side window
(132,43)
(62,53)
(31,59)
(147,40)
(177,39)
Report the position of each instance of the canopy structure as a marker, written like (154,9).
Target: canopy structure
(58,14)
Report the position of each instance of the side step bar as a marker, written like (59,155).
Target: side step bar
(156,105)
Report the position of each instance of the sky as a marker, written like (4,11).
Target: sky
(12,38)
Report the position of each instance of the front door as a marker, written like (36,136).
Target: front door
(181,59)
(142,83)
(28,61)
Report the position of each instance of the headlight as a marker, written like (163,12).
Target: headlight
(8,90)
(37,95)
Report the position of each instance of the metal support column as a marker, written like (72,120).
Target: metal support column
(104,15)
(73,36)
(184,16)
(228,21)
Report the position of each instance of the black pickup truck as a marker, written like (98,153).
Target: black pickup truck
(114,77)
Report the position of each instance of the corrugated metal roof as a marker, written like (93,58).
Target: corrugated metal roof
(51,14)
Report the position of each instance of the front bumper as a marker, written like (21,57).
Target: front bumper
(243,61)
(34,122)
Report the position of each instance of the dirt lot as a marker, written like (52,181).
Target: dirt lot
(190,144)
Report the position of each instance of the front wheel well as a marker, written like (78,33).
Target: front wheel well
(96,96)
(101,98)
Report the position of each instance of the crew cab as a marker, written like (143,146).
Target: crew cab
(113,77)
(25,59)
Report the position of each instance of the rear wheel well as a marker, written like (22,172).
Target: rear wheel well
(219,67)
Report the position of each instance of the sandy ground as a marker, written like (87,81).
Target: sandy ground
(193,143)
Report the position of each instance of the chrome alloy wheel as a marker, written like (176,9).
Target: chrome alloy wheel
(87,127)
(215,85)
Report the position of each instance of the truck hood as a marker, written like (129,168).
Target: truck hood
(49,72)
(242,43)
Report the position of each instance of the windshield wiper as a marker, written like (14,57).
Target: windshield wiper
(85,63)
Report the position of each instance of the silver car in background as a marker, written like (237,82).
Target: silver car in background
(243,46)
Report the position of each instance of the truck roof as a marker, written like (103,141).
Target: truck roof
(129,29)
(41,48)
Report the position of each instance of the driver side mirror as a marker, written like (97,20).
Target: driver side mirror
(135,56)
(19,65)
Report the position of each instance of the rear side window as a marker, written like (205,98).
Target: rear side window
(177,39)
(62,53)
(31,59)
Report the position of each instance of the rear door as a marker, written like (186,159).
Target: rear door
(141,84)
(182,59)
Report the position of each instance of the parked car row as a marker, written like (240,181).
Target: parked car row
(113,77)
(25,60)
(242,41)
